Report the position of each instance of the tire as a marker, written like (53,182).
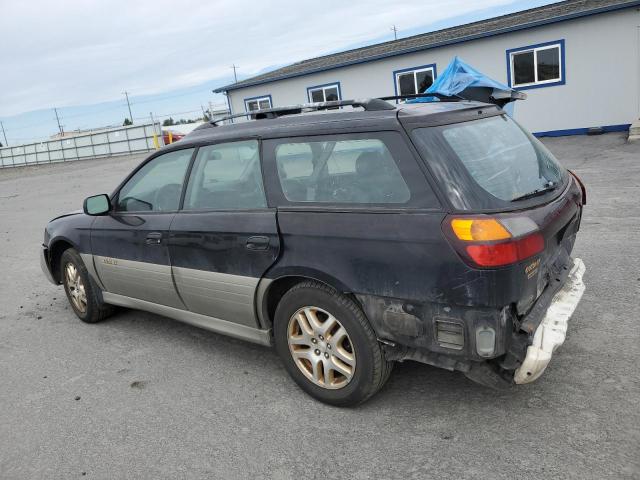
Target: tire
(94,308)
(366,368)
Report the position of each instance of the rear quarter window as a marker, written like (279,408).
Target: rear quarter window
(343,171)
(374,169)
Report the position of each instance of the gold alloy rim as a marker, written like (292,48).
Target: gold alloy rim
(75,286)
(321,348)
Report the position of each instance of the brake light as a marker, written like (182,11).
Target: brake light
(489,242)
(582,187)
(499,254)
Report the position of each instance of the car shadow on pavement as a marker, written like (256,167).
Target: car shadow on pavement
(413,385)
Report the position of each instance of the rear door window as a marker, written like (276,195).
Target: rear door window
(226,176)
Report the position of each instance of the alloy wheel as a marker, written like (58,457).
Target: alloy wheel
(321,347)
(75,286)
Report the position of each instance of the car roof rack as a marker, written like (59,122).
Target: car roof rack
(368,104)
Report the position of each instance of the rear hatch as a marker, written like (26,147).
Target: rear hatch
(514,208)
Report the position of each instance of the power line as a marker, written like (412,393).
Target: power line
(86,114)
(162,99)
(160,115)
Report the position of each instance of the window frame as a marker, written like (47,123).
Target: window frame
(420,186)
(324,87)
(414,70)
(115,195)
(535,48)
(257,99)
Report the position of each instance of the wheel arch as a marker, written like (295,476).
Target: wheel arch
(271,291)
(57,247)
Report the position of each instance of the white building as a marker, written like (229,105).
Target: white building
(578,61)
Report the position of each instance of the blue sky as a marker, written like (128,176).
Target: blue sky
(80,55)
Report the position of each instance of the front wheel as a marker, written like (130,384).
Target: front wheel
(81,292)
(328,346)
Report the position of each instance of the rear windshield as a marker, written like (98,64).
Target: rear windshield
(500,157)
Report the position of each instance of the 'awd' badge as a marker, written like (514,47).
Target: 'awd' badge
(110,261)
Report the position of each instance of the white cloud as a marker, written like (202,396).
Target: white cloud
(76,52)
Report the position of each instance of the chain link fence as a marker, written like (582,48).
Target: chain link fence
(99,143)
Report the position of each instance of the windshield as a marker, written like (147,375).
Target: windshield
(501,158)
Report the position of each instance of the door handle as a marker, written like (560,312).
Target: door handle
(154,238)
(257,243)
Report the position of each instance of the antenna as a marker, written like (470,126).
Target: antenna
(235,76)
(395,32)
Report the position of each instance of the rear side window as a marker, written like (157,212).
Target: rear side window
(501,158)
(358,171)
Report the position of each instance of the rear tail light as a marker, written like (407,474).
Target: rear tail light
(582,187)
(489,242)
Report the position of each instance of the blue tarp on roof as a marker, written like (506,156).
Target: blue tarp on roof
(461,79)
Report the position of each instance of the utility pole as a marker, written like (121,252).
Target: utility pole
(58,120)
(6,144)
(235,77)
(395,32)
(126,94)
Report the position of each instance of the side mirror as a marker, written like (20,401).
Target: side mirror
(97,205)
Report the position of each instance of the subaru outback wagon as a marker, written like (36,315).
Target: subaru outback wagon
(350,239)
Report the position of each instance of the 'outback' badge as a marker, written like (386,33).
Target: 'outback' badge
(532,268)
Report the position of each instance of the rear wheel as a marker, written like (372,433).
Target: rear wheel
(81,292)
(328,346)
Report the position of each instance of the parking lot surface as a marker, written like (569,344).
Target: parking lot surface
(142,396)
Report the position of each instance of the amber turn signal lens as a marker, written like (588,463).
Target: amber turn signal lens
(479,230)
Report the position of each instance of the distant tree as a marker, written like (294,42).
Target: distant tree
(169,121)
(127,122)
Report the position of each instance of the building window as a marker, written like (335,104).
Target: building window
(257,103)
(536,65)
(324,93)
(411,81)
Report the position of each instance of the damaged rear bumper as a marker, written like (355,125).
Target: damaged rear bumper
(551,332)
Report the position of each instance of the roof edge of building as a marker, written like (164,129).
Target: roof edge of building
(500,31)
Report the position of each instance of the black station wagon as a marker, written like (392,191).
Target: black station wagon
(350,235)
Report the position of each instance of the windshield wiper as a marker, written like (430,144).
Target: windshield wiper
(538,191)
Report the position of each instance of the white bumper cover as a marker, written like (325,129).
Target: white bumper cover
(552,331)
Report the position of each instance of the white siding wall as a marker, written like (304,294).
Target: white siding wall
(602,68)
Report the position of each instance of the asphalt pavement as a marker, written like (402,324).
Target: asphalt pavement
(142,396)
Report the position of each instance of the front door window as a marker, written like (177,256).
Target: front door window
(157,186)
